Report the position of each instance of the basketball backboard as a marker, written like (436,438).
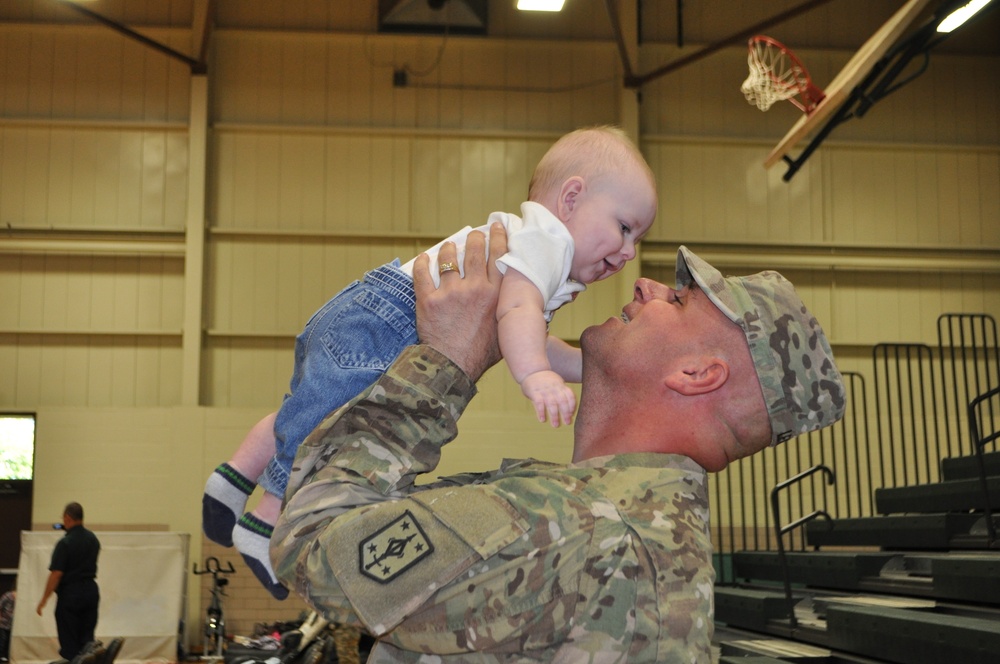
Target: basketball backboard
(857,68)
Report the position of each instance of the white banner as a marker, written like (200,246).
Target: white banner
(141,576)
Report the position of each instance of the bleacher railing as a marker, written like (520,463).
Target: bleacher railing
(898,435)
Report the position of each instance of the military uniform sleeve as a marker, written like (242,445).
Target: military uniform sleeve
(347,530)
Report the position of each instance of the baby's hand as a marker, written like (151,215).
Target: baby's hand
(553,399)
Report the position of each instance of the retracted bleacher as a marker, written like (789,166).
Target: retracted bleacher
(882,545)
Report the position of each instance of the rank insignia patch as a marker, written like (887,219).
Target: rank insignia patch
(393,549)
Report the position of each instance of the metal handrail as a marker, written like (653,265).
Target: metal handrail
(782,530)
(979,443)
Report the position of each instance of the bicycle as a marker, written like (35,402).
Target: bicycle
(215,622)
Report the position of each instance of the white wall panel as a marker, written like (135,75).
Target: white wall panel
(250,372)
(375,184)
(91,294)
(80,330)
(987,196)
(121,371)
(92,73)
(718,192)
(906,197)
(874,308)
(90,178)
(347,80)
(913,197)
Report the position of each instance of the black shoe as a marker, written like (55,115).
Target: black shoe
(86,656)
(113,648)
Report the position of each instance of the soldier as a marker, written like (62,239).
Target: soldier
(605,559)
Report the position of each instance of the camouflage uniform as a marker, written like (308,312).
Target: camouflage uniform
(608,560)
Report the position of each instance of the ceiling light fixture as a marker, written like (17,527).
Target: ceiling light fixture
(961,15)
(540,5)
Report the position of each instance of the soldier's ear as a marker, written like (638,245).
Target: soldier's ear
(699,375)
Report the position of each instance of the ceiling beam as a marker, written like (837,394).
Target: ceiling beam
(201,28)
(636,81)
(197,67)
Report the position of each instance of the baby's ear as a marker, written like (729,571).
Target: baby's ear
(569,195)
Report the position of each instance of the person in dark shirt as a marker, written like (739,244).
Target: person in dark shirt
(71,577)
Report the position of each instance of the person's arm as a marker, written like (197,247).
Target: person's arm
(50,587)
(369,452)
(366,453)
(523,336)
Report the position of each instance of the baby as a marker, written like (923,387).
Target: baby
(591,199)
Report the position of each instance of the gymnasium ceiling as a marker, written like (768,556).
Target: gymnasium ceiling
(690,24)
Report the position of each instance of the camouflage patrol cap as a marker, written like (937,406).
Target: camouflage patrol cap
(802,388)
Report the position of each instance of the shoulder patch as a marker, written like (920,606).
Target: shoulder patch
(394,549)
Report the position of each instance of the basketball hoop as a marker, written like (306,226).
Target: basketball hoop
(776,74)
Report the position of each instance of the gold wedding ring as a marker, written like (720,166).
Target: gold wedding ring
(447,267)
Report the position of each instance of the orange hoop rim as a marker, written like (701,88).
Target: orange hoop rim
(803,86)
(781,47)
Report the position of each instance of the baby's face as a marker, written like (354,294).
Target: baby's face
(607,224)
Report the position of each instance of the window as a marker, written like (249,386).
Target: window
(17,446)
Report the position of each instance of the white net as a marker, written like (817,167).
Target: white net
(775,74)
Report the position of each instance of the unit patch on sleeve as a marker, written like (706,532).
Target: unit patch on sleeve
(394,549)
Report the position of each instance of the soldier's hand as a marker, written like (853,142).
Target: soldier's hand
(459,317)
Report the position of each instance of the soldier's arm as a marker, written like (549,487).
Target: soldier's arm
(371,450)
(362,456)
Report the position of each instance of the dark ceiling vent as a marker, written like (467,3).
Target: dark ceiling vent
(466,17)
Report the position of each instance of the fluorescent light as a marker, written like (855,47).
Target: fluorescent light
(961,15)
(543,5)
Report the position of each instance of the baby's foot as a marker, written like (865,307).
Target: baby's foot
(225,498)
(252,538)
